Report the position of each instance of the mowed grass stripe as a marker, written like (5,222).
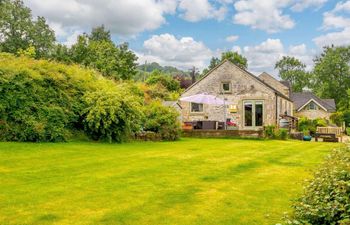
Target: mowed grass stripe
(192,181)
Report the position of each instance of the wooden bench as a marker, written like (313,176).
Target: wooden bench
(334,133)
(326,137)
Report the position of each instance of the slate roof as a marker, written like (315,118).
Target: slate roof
(286,83)
(300,99)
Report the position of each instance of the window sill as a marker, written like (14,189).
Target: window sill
(196,113)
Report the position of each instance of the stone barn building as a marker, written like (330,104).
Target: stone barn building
(252,102)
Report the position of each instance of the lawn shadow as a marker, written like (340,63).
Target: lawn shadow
(47,218)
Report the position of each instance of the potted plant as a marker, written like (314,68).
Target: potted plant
(307,136)
(231,125)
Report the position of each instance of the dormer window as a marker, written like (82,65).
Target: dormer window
(312,106)
(226,87)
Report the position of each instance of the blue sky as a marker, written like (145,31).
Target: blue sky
(186,33)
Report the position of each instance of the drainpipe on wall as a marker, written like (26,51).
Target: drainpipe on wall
(276,109)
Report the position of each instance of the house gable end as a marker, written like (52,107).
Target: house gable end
(308,102)
(227,72)
(232,69)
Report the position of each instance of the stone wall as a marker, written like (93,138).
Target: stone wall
(243,87)
(284,106)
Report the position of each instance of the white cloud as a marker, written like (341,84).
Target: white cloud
(72,38)
(342,6)
(196,10)
(332,21)
(262,57)
(300,5)
(186,52)
(303,54)
(237,49)
(121,17)
(263,15)
(270,15)
(338,21)
(232,38)
(67,36)
(333,38)
(183,52)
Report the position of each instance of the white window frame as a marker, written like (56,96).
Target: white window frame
(191,111)
(253,102)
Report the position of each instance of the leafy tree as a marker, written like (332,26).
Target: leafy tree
(235,58)
(293,70)
(101,55)
(165,80)
(214,61)
(62,53)
(15,25)
(98,51)
(126,62)
(79,51)
(19,31)
(42,38)
(332,75)
(100,34)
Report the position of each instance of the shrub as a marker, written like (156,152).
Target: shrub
(306,124)
(348,131)
(112,114)
(337,118)
(40,100)
(47,101)
(162,120)
(319,122)
(282,134)
(347,118)
(326,198)
(269,131)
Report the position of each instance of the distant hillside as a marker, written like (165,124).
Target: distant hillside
(184,77)
(150,67)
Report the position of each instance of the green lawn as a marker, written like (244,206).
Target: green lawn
(192,181)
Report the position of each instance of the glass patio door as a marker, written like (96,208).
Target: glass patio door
(253,113)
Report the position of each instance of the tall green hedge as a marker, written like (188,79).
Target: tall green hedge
(47,101)
(41,100)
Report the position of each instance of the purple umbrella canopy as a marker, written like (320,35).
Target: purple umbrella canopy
(204,99)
